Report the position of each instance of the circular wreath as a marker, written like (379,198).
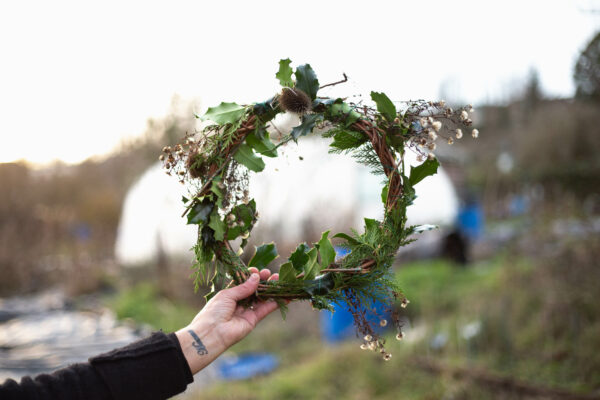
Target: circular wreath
(216,162)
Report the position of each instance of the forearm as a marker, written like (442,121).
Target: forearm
(201,344)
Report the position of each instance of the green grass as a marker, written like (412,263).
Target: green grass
(142,303)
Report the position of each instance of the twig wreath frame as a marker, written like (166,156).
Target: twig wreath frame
(216,163)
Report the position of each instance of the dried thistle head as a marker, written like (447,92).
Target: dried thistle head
(294,100)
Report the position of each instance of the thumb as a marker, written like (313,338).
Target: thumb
(244,290)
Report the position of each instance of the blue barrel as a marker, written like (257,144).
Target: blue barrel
(339,325)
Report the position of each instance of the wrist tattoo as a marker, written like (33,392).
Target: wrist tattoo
(198,345)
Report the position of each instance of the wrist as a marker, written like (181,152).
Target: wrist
(200,344)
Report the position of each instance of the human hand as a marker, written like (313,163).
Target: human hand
(222,322)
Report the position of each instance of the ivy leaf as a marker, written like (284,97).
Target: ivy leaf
(287,273)
(417,174)
(262,145)
(306,80)
(217,225)
(263,256)
(312,267)
(347,238)
(224,113)
(308,123)
(384,105)
(299,258)
(245,156)
(199,212)
(326,250)
(285,73)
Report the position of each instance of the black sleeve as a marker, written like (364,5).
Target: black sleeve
(151,368)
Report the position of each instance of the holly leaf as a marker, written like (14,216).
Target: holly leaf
(417,174)
(308,123)
(384,105)
(245,156)
(199,212)
(224,113)
(287,273)
(299,257)
(263,256)
(312,267)
(326,250)
(217,225)
(347,238)
(285,73)
(306,80)
(263,145)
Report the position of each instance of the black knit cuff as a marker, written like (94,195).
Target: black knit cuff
(151,368)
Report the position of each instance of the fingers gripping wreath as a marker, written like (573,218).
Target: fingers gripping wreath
(216,161)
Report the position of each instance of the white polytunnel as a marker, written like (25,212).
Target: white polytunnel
(303,180)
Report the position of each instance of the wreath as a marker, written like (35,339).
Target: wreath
(216,161)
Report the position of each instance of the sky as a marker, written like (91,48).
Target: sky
(78,77)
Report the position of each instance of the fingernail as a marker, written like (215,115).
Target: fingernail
(254,277)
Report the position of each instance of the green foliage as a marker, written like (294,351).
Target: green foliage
(263,256)
(199,212)
(224,113)
(285,73)
(346,140)
(341,111)
(299,257)
(217,225)
(287,272)
(384,105)
(312,267)
(245,156)
(306,80)
(245,213)
(428,168)
(307,125)
(262,145)
(326,250)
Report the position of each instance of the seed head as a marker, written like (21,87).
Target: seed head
(432,135)
(295,100)
(383,322)
(463,115)
(475,133)
(458,133)
(404,303)
(387,356)
(450,141)
(368,338)
(161,157)
(431,156)
(364,347)
(437,125)
(400,336)
(431,146)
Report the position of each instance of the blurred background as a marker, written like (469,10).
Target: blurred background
(94,254)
